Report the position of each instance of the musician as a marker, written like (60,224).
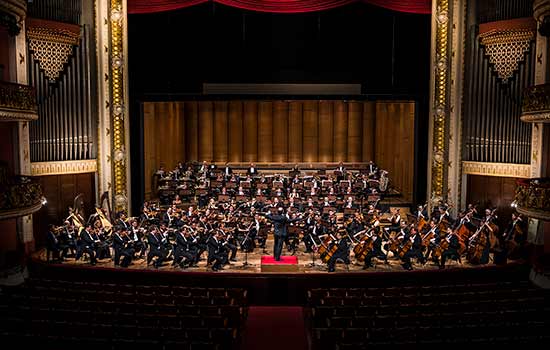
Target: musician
(280,222)
(122,247)
(349,203)
(54,244)
(185,250)
(513,237)
(227,171)
(434,241)
(156,248)
(67,238)
(372,169)
(341,168)
(204,168)
(136,236)
(122,220)
(100,241)
(230,242)
(376,251)
(415,251)
(443,215)
(421,213)
(217,254)
(177,200)
(252,170)
(342,241)
(86,244)
(395,222)
(452,251)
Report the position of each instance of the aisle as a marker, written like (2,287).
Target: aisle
(275,328)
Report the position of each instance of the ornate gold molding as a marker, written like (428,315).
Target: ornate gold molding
(439,106)
(17,102)
(118,113)
(536,104)
(66,167)
(496,169)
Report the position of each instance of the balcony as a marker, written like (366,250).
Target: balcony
(19,196)
(533,198)
(536,104)
(17,102)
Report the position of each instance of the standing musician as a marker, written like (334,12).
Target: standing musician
(452,251)
(252,170)
(227,171)
(280,222)
(342,252)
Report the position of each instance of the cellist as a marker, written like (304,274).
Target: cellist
(376,251)
(452,250)
(415,251)
(343,249)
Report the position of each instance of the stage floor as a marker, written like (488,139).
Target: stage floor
(305,265)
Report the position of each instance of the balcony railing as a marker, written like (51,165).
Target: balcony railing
(20,196)
(17,102)
(533,198)
(536,104)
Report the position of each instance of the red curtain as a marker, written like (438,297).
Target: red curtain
(279,6)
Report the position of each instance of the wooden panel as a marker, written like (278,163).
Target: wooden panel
(492,192)
(192,130)
(311,131)
(295,137)
(355,131)
(395,143)
(60,191)
(149,147)
(206,131)
(220,131)
(250,125)
(326,127)
(235,131)
(280,131)
(369,117)
(340,131)
(265,131)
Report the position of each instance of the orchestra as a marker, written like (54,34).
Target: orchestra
(335,216)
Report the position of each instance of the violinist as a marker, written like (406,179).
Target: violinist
(415,250)
(136,236)
(217,254)
(342,241)
(376,251)
(452,251)
(122,247)
(67,237)
(185,250)
(156,248)
(86,243)
(122,221)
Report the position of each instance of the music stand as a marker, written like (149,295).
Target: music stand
(312,264)
(246,263)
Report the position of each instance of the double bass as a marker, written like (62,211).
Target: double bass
(327,248)
(364,246)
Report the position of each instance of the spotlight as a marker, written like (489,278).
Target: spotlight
(514,204)
(44,201)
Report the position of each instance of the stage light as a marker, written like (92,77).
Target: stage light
(514,204)
(44,201)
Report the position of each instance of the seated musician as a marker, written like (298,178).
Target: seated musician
(349,203)
(204,168)
(122,246)
(136,235)
(177,200)
(68,238)
(156,248)
(100,236)
(376,251)
(326,203)
(122,220)
(421,212)
(86,244)
(433,232)
(342,241)
(313,191)
(513,237)
(452,251)
(294,194)
(310,204)
(395,222)
(415,251)
(161,172)
(217,254)
(185,250)
(55,245)
(230,241)
(227,171)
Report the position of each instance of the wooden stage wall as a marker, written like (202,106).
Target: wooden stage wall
(278,131)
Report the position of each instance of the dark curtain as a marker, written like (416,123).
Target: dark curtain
(279,6)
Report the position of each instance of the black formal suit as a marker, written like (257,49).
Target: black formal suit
(376,252)
(86,244)
(122,248)
(156,248)
(252,171)
(55,246)
(217,254)
(452,251)
(185,251)
(227,171)
(414,252)
(68,238)
(280,223)
(341,253)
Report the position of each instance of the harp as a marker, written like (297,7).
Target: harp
(78,214)
(104,211)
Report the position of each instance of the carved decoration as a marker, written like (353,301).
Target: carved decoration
(51,44)
(506,49)
(533,198)
(496,169)
(65,167)
(536,104)
(17,102)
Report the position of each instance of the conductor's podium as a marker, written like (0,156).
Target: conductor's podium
(286,264)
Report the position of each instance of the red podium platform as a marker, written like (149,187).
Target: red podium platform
(286,264)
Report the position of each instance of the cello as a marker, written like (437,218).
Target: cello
(364,246)
(327,248)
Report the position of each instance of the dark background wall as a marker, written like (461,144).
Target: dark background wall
(172,54)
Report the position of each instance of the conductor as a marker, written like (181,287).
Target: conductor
(280,222)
